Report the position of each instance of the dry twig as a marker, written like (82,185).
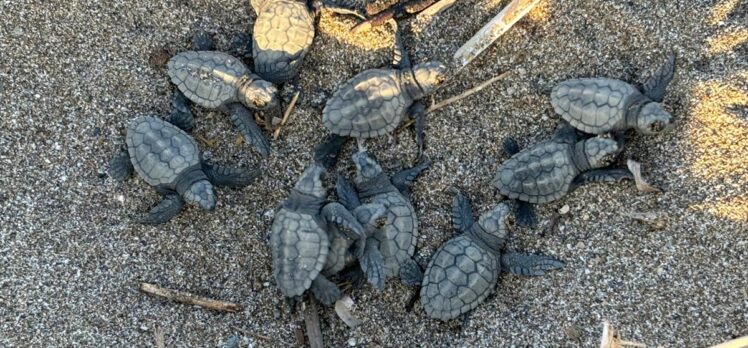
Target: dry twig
(467,93)
(611,339)
(741,342)
(286,115)
(311,318)
(187,298)
(158,337)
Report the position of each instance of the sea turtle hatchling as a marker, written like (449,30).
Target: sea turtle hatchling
(169,160)
(375,101)
(465,269)
(216,80)
(551,169)
(602,105)
(303,233)
(396,237)
(283,33)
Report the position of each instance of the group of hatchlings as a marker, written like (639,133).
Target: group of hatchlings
(371,231)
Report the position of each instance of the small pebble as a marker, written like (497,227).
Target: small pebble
(564,210)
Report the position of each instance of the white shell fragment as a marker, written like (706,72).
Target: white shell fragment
(343,309)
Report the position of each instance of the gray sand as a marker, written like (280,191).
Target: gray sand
(73,73)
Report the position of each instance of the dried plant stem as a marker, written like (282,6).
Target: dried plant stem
(187,298)
(286,115)
(467,93)
(311,318)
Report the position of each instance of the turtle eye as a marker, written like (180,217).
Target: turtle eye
(657,126)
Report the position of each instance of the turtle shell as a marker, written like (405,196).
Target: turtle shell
(209,78)
(299,248)
(539,174)
(370,104)
(160,151)
(282,36)
(459,277)
(396,239)
(594,106)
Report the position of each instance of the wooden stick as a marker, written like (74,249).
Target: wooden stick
(741,342)
(497,26)
(159,337)
(311,318)
(187,298)
(467,93)
(286,115)
(438,7)
(259,337)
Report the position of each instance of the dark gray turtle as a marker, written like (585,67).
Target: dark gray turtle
(169,160)
(375,101)
(602,105)
(216,80)
(282,35)
(396,238)
(465,269)
(551,169)
(301,234)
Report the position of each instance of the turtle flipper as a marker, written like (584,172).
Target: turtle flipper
(120,167)
(510,146)
(462,212)
(337,214)
(525,213)
(326,153)
(656,85)
(372,264)
(229,176)
(202,41)
(528,264)
(181,115)
(242,119)
(411,273)
(565,133)
(418,112)
(401,60)
(601,175)
(347,194)
(325,291)
(164,211)
(404,179)
(367,215)
(241,45)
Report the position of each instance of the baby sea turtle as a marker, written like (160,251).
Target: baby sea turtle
(551,169)
(300,237)
(602,105)
(375,101)
(396,238)
(216,80)
(283,34)
(465,269)
(169,160)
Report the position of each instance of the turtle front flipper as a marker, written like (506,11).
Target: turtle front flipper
(404,179)
(164,211)
(120,167)
(401,59)
(601,175)
(229,176)
(242,119)
(656,85)
(337,214)
(418,112)
(529,264)
(462,211)
(347,194)
(510,146)
(326,153)
(411,273)
(181,115)
(372,265)
(203,41)
(325,291)
(241,45)
(525,213)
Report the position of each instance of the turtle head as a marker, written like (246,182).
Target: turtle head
(367,167)
(428,76)
(201,194)
(257,5)
(311,183)
(653,119)
(260,94)
(493,225)
(601,150)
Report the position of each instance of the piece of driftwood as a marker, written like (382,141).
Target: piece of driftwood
(611,339)
(311,318)
(467,93)
(641,184)
(286,115)
(187,298)
(741,342)
(438,7)
(508,16)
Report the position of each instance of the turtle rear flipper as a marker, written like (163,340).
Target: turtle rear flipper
(372,265)
(326,153)
(411,273)
(325,291)
(242,119)
(601,175)
(404,179)
(525,213)
(656,85)
(529,264)
(181,115)
(120,167)
(164,211)
(229,176)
